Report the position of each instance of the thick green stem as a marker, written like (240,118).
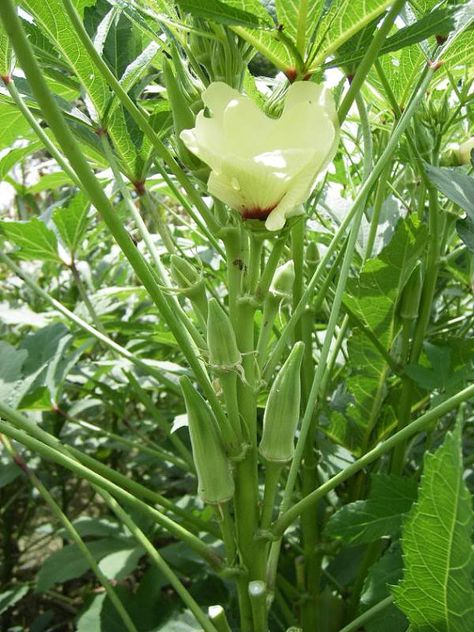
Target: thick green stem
(272,478)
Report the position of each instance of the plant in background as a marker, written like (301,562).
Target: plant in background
(236,364)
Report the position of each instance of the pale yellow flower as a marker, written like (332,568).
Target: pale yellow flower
(265,168)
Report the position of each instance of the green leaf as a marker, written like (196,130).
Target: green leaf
(298,19)
(372,299)
(13,125)
(221,12)
(342,21)
(69,562)
(365,521)
(33,239)
(71,221)
(10,597)
(438,22)
(120,564)
(10,369)
(8,473)
(5,53)
(14,156)
(458,187)
(54,21)
(266,42)
(436,592)
(383,574)
(455,184)
(89,619)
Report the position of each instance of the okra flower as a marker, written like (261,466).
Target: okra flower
(265,168)
(464,151)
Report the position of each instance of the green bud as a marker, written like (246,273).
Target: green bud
(282,411)
(312,256)
(411,295)
(224,353)
(283,281)
(186,276)
(424,138)
(183,117)
(215,482)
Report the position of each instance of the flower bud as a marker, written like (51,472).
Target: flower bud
(411,295)
(224,354)
(215,482)
(183,116)
(312,256)
(283,281)
(185,276)
(464,152)
(283,410)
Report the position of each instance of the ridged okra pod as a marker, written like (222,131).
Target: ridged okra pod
(283,410)
(215,481)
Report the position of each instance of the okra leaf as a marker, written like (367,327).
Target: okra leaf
(436,591)
(33,239)
(298,19)
(13,125)
(71,221)
(54,21)
(458,187)
(365,521)
(10,597)
(69,562)
(386,572)
(342,21)
(5,53)
(264,40)
(438,22)
(16,155)
(222,13)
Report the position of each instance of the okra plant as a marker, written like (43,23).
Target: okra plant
(236,359)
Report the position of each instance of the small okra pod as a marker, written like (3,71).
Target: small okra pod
(283,281)
(282,411)
(190,283)
(183,116)
(224,354)
(215,481)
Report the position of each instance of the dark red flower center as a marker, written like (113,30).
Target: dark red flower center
(257,212)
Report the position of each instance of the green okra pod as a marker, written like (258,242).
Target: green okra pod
(224,354)
(283,410)
(215,481)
